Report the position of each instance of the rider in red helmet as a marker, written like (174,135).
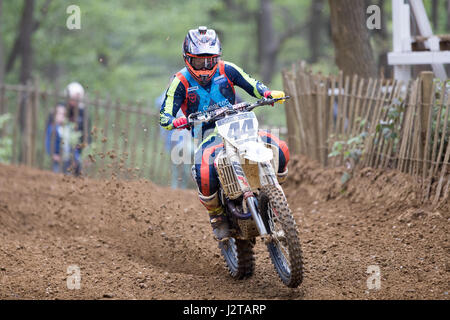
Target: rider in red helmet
(204,81)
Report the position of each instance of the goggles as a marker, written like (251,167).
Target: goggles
(205,62)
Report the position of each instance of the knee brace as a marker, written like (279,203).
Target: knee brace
(281,177)
(211,203)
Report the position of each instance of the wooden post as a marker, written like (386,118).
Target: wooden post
(34,112)
(444,130)
(434,161)
(3,108)
(292,125)
(321,88)
(351,107)
(134,142)
(316,115)
(375,120)
(116,125)
(146,126)
(304,109)
(380,150)
(296,89)
(125,144)
(27,152)
(356,120)
(39,130)
(94,133)
(427,88)
(44,114)
(415,134)
(104,140)
(54,99)
(16,146)
(441,179)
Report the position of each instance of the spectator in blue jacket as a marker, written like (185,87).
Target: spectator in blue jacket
(60,141)
(74,126)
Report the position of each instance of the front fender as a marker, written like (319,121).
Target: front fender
(255,151)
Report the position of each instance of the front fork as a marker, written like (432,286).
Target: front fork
(252,206)
(267,176)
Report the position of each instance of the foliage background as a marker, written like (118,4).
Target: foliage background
(129,49)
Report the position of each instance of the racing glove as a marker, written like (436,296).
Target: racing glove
(179,123)
(275,95)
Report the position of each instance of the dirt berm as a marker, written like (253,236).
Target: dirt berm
(136,240)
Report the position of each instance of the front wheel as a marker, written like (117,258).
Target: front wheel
(284,249)
(238,255)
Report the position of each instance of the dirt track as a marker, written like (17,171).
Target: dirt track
(134,240)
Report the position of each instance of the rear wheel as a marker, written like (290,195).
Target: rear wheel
(238,255)
(284,249)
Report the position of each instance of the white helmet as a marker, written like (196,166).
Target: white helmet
(74,90)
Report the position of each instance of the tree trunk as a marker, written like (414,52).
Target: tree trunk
(26,55)
(385,70)
(269,42)
(315,30)
(383,32)
(26,50)
(267,50)
(2,54)
(353,52)
(15,51)
(435,14)
(448,15)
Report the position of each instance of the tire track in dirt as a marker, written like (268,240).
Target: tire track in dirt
(135,240)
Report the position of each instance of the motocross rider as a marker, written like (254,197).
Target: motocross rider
(204,81)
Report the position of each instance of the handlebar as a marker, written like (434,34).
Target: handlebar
(216,112)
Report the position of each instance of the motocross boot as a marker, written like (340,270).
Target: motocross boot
(217,216)
(281,177)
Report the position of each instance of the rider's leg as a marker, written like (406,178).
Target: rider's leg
(208,183)
(283,153)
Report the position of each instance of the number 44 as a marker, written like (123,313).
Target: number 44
(235,130)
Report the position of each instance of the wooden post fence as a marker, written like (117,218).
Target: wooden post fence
(402,126)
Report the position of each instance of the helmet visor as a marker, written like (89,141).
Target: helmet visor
(203,62)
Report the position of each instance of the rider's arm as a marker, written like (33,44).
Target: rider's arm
(175,96)
(240,78)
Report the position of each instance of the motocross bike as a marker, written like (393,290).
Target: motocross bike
(255,204)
